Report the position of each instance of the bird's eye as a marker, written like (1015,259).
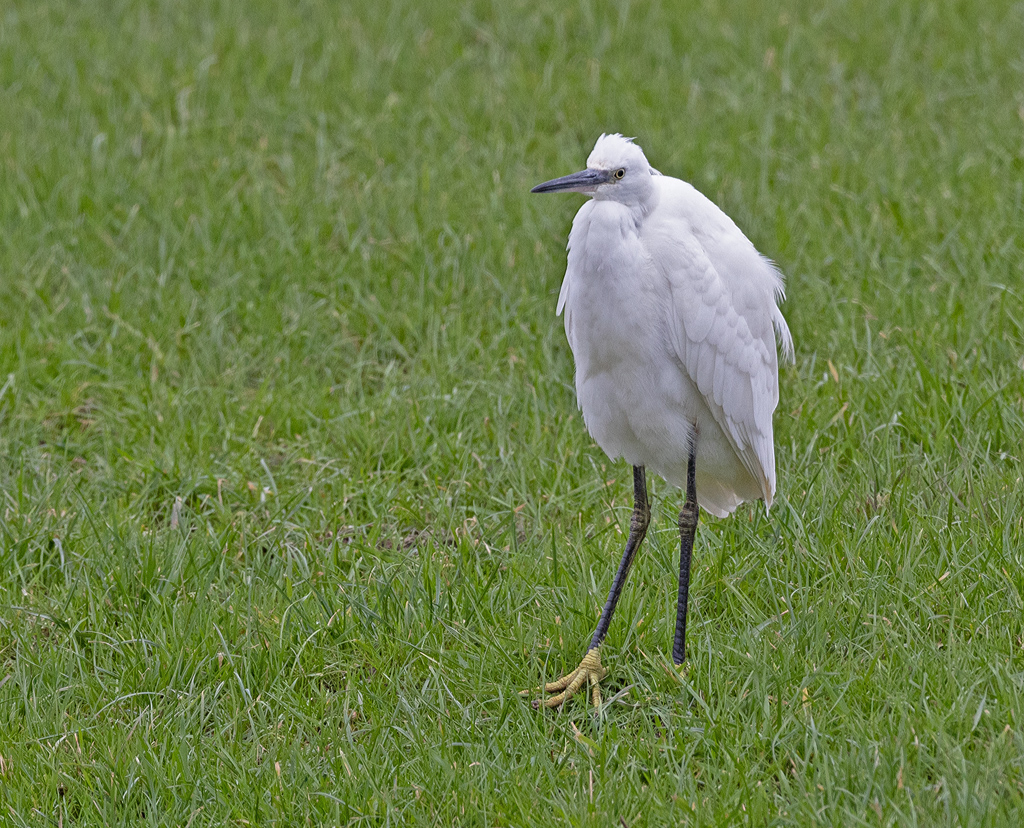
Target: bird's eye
(618,174)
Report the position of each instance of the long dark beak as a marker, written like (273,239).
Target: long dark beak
(582,182)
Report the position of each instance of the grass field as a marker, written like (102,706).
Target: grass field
(295,494)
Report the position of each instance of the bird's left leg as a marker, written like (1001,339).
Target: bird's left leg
(590,670)
(687,530)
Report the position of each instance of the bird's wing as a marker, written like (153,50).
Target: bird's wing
(723,331)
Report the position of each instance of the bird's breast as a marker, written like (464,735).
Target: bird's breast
(611,291)
(629,383)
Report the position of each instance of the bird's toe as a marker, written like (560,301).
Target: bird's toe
(590,672)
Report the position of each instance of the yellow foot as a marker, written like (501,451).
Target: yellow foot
(589,672)
(682,670)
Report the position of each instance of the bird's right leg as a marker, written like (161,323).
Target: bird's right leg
(688,518)
(590,670)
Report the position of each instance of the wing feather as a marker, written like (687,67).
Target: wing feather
(726,343)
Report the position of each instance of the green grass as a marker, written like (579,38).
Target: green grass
(295,495)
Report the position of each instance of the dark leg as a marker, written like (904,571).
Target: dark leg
(637,532)
(687,530)
(590,669)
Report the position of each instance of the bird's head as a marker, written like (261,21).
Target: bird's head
(616,169)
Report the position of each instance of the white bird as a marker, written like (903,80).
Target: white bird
(672,317)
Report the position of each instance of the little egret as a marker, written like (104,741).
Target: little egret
(672,317)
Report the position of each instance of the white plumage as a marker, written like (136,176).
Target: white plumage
(672,317)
